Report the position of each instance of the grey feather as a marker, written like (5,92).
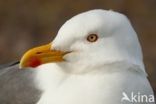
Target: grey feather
(17,86)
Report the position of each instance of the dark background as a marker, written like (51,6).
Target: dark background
(28,23)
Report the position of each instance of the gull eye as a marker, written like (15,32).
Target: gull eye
(92,38)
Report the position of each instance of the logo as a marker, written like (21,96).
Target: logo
(137,98)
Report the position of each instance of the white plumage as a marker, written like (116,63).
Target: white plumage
(97,72)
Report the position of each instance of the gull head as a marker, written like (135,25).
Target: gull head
(89,41)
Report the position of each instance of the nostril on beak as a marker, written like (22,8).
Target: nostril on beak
(39,52)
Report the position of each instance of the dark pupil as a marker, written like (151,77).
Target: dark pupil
(92,37)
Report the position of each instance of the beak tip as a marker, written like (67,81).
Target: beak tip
(20,67)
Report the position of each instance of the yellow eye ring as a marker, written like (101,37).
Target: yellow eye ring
(92,38)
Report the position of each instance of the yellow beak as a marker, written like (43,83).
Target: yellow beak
(41,55)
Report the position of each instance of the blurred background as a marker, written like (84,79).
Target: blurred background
(28,23)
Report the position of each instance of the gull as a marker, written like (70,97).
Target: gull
(94,59)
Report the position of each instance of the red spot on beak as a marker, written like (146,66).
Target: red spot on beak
(34,62)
